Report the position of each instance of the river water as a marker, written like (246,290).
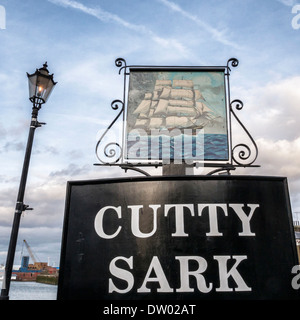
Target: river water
(31,291)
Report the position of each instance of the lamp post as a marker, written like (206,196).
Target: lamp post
(41,84)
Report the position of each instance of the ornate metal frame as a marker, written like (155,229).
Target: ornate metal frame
(241,155)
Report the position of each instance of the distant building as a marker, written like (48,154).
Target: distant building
(30,272)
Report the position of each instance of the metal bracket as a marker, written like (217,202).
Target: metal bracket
(20,207)
(36,124)
(241,153)
(26,207)
(111,154)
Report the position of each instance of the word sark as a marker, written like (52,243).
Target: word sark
(191,267)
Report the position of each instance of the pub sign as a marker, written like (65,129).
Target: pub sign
(177,114)
(178,238)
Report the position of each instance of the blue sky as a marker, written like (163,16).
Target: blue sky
(80,40)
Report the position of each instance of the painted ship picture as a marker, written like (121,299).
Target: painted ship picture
(189,107)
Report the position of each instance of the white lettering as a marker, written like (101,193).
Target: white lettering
(120,310)
(296,18)
(155,273)
(185,274)
(171,309)
(237,207)
(213,217)
(121,274)
(224,274)
(163,138)
(98,224)
(182,212)
(2,17)
(140,139)
(160,277)
(179,217)
(135,211)
(295,283)
(166,144)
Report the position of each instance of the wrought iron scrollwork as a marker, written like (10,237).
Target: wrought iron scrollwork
(234,62)
(121,63)
(112,154)
(112,151)
(242,153)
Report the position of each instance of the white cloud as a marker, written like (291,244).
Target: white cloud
(215,33)
(107,17)
(91,77)
(271,113)
(99,13)
(280,157)
(272,110)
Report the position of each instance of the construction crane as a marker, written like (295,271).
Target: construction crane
(33,257)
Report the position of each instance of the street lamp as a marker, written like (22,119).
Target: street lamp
(41,84)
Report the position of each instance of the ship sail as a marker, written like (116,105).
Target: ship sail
(173,104)
(178,122)
(183,83)
(181,94)
(181,111)
(143,109)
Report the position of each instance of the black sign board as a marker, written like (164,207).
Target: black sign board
(208,237)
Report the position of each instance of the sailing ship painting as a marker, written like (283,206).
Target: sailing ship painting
(188,106)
